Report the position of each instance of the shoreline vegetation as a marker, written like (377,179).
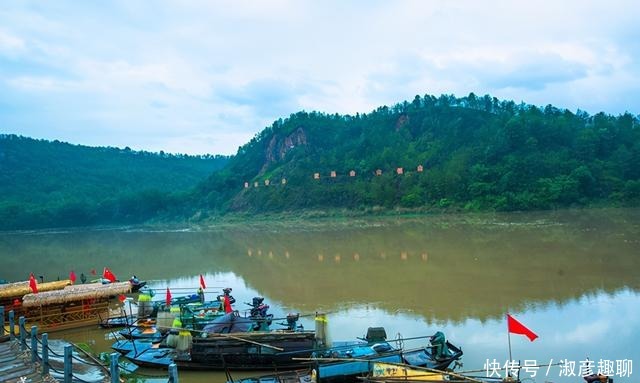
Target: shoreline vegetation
(335,219)
(430,155)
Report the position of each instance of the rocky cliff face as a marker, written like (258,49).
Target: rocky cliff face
(279,146)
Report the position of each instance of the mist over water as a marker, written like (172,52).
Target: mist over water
(571,276)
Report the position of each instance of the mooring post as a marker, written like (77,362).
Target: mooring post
(12,325)
(173,373)
(68,372)
(115,374)
(34,344)
(45,354)
(2,315)
(23,335)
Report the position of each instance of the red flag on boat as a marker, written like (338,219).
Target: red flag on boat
(168,299)
(33,283)
(93,272)
(516,327)
(72,277)
(122,298)
(202,285)
(227,305)
(107,274)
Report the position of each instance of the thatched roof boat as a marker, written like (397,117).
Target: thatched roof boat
(20,289)
(76,293)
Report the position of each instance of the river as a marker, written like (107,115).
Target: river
(571,276)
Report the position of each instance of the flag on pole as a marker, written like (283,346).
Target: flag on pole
(107,274)
(202,285)
(227,305)
(33,283)
(168,298)
(516,327)
(72,277)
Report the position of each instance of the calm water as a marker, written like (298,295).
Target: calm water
(570,276)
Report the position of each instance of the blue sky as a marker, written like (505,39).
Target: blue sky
(206,76)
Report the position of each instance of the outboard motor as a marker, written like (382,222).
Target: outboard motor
(439,347)
(598,378)
(255,304)
(262,310)
(292,321)
(259,314)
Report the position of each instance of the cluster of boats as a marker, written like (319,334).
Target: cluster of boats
(199,335)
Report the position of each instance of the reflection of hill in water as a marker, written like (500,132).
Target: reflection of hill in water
(439,268)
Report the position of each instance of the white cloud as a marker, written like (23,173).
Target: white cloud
(203,67)
(10,43)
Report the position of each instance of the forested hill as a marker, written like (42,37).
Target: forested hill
(475,152)
(54,184)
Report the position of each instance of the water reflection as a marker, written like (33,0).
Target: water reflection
(571,276)
(441,269)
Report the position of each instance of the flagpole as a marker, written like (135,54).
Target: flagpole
(509,336)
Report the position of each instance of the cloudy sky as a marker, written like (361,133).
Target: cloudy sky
(206,76)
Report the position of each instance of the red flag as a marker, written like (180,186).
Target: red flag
(93,272)
(72,277)
(516,327)
(122,298)
(168,299)
(107,274)
(227,305)
(202,285)
(33,283)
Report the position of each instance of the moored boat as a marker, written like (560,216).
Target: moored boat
(230,343)
(349,361)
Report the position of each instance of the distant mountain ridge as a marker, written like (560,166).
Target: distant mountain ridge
(52,183)
(477,153)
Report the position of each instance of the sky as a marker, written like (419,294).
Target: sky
(206,76)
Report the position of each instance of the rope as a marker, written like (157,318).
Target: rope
(86,362)
(54,369)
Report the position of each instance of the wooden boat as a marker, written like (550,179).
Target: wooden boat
(12,294)
(72,307)
(230,343)
(350,362)
(197,316)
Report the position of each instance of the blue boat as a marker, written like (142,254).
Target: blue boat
(229,343)
(349,361)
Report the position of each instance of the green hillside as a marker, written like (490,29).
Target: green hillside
(472,153)
(54,184)
(477,153)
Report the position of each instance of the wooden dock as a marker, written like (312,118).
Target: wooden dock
(16,365)
(20,361)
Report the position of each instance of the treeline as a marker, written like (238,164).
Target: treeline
(478,153)
(55,184)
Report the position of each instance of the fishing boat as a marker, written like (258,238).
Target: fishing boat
(230,343)
(196,316)
(349,361)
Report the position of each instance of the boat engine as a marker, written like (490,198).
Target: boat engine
(259,313)
(292,321)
